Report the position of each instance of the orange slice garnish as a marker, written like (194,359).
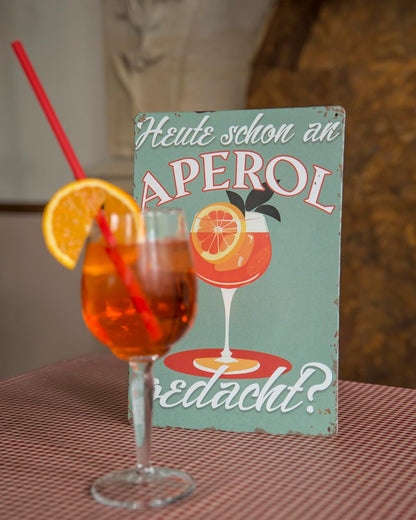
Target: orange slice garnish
(68,216)
(217,231)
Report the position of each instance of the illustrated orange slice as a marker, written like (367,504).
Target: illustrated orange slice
(68,216)
(217,231)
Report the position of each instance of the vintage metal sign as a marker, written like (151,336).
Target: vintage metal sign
(262,191)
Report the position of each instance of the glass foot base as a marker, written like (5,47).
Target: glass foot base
(149,488)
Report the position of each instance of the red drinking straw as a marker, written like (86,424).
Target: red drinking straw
(123,270)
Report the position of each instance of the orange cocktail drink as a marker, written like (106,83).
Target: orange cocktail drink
(245,265)
(230,250)
(165,272)
(152,250)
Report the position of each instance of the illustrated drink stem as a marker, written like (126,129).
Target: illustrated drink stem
(227,296)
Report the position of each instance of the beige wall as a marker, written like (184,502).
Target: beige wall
(40,317)
(64,42)
(40,314)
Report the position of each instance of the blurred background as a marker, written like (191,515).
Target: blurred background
(101,62)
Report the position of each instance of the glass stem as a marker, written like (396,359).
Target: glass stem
(141,381)
(227,296)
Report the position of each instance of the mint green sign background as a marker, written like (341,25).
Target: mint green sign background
(291,311)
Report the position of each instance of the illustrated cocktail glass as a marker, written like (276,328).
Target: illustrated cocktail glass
(230,250)
(159,258)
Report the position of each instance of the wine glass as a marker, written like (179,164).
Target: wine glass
(156,259)
(248,261)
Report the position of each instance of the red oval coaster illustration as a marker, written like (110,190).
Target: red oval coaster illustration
(246,364)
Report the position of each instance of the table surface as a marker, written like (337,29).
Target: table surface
(65,424)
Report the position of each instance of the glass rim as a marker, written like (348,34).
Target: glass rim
(146,211)
(161,210)
(140,226)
